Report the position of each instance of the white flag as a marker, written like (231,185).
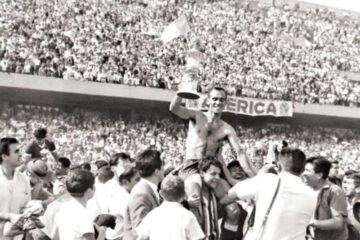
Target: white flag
(175,29)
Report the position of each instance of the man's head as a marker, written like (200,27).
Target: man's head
(316,171)
(235,169)
(217,97)
(232,211)
(104,174)
(172,188)
(210,169)
(351,184)
(292,160)
(334,171)
(119,162)
(10,153)
(38,171)
(40,135)
(149,164)
(129,178)
(80,183)
(63,166)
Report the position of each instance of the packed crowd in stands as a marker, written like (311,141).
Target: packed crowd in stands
(85,136)
(249,50)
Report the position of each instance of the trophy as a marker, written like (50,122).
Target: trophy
(188,85)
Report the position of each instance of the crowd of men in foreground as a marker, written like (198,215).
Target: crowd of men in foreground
(127,198)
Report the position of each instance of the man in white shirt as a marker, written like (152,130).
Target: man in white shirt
(118,194)
(73,220)
(293,206)
(170,221)
(15,190)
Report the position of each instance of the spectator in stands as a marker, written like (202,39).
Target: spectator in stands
(331,210)
(15,189)
(144,196)
(273,46)
(170,220)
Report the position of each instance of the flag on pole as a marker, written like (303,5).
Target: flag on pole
(175,29)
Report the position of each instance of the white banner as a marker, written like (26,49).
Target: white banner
(248,106)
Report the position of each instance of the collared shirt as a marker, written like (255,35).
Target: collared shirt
(170,221)
(73,220)
(98,204)
(14,194)
(331,197)
(292,209)
(153,187)
(118,198)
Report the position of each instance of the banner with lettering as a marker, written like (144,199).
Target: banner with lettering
(248,106)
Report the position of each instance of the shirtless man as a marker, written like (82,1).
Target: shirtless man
(207,132)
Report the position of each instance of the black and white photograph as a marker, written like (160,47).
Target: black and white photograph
(179,120)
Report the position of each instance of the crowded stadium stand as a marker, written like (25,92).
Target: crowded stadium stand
(97,143)
(283,52)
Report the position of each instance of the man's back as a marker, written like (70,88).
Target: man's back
(292,209)
(170,221)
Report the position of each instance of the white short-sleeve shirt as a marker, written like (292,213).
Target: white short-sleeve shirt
(118,198)
(14,194)
(170,221)
(73,221)
(291,212)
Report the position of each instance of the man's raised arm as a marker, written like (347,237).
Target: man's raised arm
(177,109)
(244,161)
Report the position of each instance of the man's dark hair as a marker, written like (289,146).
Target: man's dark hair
(114,161)
(147,162)
(218,89)
(104,174)
(172,188)
(320,165)
(79,181)
(335,162)
(5,146)
(40,133)
(75,166)
(297,162)
(356,177)
(101,163)
(233,164)
(65,162)
(205,164)
(350,172)
(86,166)
(127,175)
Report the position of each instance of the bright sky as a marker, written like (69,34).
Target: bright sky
(352,5)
